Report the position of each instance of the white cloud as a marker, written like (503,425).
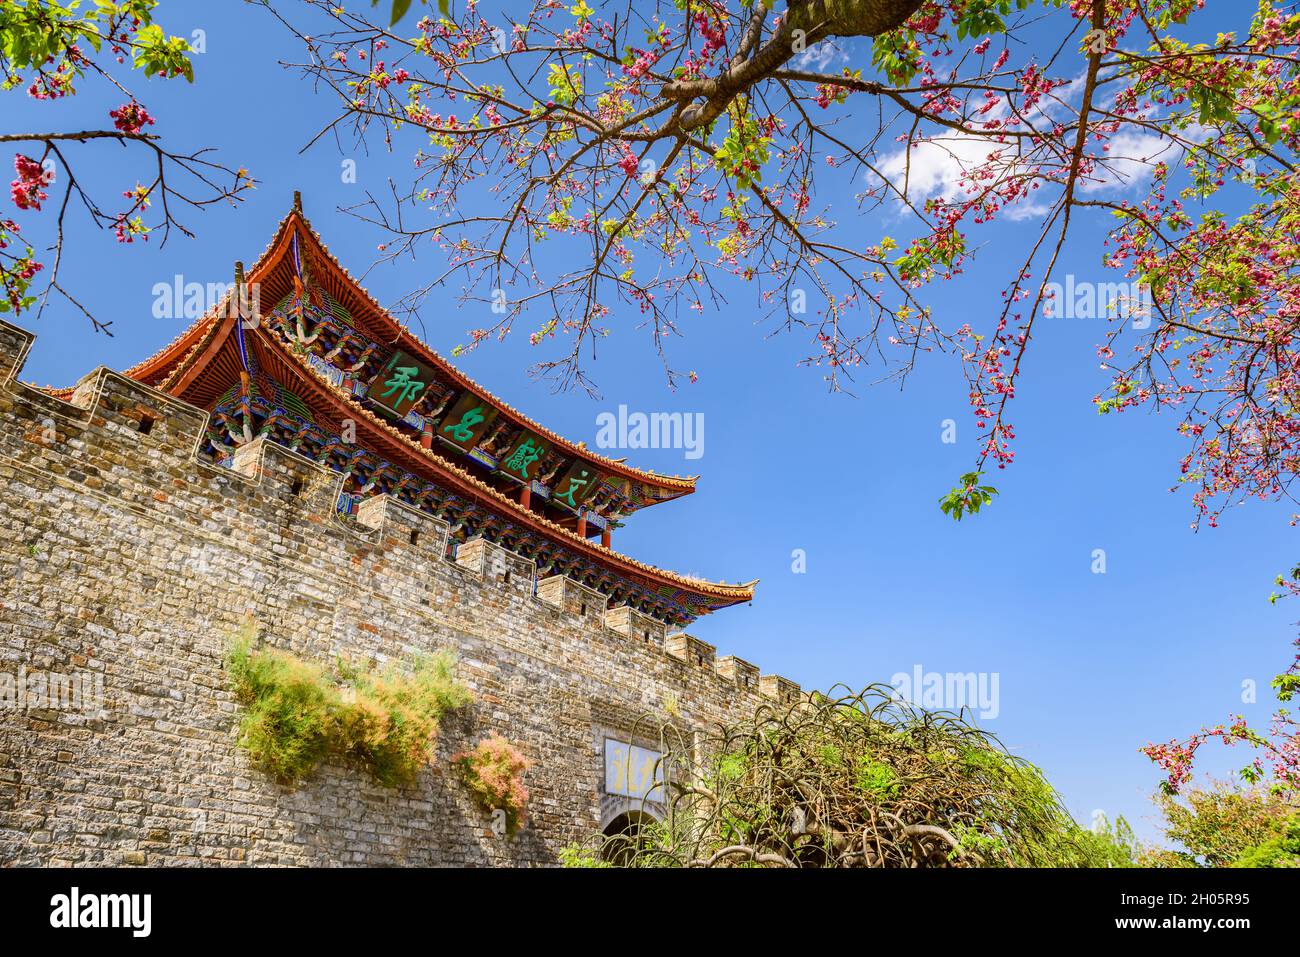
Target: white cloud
(1025,210)
(935,167)
(939,166)
(822,56)
(1130,159)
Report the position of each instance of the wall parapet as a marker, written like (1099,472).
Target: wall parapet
(497,564)
(626,620)
(743,673)
(573,597)
(691,650)
(141,422)
(779,689)
(402,529)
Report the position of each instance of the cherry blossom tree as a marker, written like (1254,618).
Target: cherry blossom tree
(666,146)
(48,49)
(1275,750)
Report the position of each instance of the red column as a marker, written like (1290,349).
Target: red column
(604,537)
(526,495)
(426,437)
(582,523)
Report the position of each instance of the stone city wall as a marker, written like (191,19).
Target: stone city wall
(126,564)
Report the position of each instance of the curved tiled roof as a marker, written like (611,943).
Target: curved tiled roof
(684,483)
(203,327)
(181,360)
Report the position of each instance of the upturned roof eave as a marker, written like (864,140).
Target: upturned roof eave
(677,484)
(441,470)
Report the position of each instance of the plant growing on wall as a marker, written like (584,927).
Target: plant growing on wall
(298,714)
(494,773)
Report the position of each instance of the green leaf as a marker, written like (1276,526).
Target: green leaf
(967,498)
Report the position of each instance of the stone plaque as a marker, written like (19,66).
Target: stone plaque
(633,772)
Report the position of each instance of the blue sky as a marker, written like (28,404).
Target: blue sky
(1091,666)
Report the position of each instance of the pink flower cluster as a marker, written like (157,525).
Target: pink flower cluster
(27,190)
(640,66)
(628,164)
(57,83)
(715,38)
(20,271)
(381,78)
(131,117)
(1279,747)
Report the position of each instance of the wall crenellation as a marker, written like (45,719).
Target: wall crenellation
(692,650)
(125,553)
(739,671)
(118,404)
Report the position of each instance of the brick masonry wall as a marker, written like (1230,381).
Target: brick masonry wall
(125,558)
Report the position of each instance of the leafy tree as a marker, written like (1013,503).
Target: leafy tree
(1282,850)
(1108,844)
(1228,826)
(49,49)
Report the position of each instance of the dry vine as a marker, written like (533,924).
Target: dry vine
(861,780)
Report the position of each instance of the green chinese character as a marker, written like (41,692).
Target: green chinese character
(523,457)
(404,384)
(463,430)
(575,483)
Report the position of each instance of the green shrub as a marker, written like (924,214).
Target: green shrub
(287,723)
(298,714)
(1104,845)
(1222,825)
(577,856)
(1280,851)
